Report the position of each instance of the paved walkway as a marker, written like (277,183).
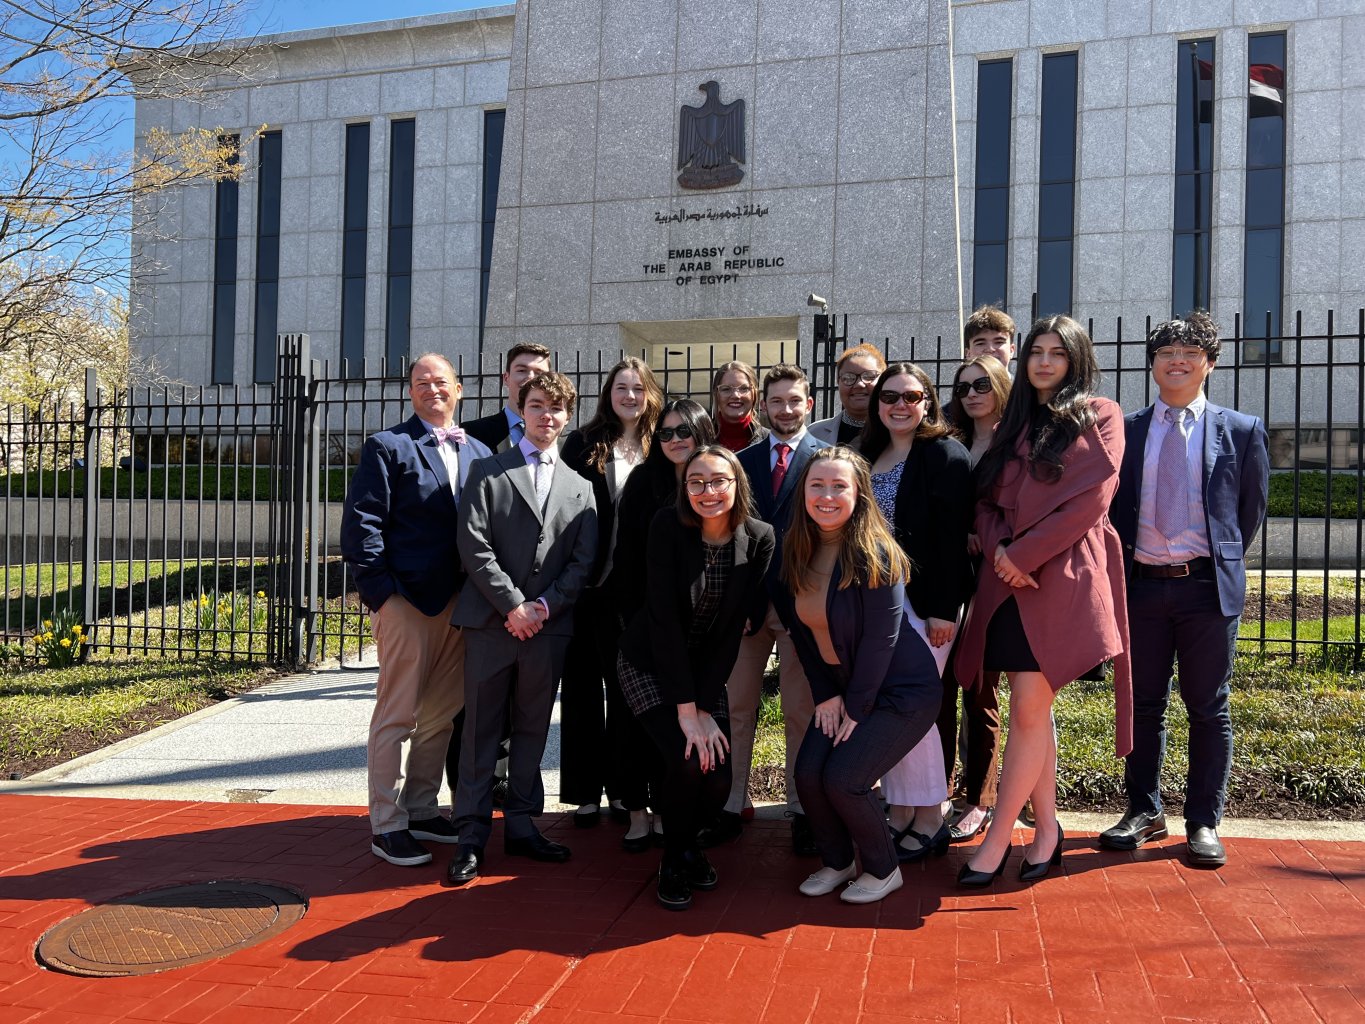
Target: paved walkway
(1277,935)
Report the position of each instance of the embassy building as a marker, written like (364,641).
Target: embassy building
(600,174)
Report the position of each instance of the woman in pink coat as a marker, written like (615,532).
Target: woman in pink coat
(1052,607)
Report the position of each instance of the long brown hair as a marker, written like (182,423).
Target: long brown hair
(749,374)
(601,433)
(868,553)
(963,425)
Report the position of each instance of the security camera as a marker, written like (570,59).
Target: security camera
(815,300)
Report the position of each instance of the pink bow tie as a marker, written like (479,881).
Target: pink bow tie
(455,435)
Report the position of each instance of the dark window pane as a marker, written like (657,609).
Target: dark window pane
(1266,99)
(400,251)
(992,215)
(494,121)
(1262,284)
(1265,142)
(1190,274)
(222,341)
(1265,198)
(357,176)
(398,325)
(353,323)
(1194,106)
(1193,201)
(401,157)
(224,325)
(1058,135)
(989,275)
(225,258)
(1054,277)
(1056,210)
(267,326)
(994,84)
(353,254)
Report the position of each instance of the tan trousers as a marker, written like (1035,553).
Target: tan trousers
(419,693)
(745,686)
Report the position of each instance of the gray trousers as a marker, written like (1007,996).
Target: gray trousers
(506,681)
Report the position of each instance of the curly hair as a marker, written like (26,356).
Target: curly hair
(556,386)
(1197,330)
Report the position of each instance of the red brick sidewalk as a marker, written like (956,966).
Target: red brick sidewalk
(1277,935)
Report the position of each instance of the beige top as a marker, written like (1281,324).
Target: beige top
(811,606)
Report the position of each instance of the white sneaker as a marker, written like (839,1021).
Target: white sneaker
(826,880)
(870,889)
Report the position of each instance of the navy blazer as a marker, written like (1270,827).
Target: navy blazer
(934,508)
(398,523)
(1236,488)
(656,638)
(776,510)
(492,430)
(883,663)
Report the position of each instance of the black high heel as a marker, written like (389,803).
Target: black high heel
(937,844)
(980,879)
(1031,872)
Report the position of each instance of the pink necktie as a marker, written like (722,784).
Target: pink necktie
(780,469)
(1173,479)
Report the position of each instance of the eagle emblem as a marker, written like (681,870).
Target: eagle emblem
(711,141)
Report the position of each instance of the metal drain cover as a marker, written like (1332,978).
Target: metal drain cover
(162,929)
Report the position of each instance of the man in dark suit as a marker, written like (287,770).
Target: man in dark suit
(505,428)
(773,466)
(527,535)
(1192,494)
(397,537)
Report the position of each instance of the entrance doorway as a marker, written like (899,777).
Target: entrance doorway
(682,353)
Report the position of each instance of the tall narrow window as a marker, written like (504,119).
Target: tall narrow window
(267,256)
(990,248)
(1190,271)
(493,123)
(1263,280)
(1057,184)
(398,316)
(225,264)
(355,210)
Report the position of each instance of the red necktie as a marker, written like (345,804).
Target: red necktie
(780,469)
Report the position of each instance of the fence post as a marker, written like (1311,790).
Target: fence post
(90,508)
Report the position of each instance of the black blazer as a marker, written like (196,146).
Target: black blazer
(656,638)
(574,452)
(934,509)
(651,487)
(882,661)
(492,430)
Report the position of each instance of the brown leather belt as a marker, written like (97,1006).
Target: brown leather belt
(1176,571)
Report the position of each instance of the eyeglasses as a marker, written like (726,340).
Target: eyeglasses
(908,397)
(716,485)
(729,391)
(1169,354)
(981,385)
(682,430)
(849,379)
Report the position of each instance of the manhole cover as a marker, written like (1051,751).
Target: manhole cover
(167,928)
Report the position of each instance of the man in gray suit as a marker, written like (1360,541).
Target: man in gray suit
(527,536)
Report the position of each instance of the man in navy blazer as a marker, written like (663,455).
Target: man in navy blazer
(398,538)
(773,466)
(1192,494)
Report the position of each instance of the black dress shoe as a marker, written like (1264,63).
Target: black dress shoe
(674,892)
(464,866)
(618,812)
(399,848)
(1031,872)
(434,830)
(537,847)
(974,879)
(698,871)
(1136,828)
(1203,848)
(638,844)
(803,837)
(586,819)
(937,844)
(727,827)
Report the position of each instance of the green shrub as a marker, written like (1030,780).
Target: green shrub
(1313,495)
(59,640)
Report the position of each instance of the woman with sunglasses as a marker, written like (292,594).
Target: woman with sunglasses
(593,750)
(876,687)
(734,394)
(683,428)
(921,481)
(981,388)
(707,559)
(1050,603)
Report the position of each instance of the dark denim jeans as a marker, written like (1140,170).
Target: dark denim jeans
(1176,625)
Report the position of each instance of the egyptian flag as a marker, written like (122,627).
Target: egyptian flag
(1265,97)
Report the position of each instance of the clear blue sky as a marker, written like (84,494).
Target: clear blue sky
(292,15)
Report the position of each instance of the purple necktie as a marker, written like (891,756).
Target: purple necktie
(1173,479)
(455,435)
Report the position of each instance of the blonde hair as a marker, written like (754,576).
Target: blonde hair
(868,553)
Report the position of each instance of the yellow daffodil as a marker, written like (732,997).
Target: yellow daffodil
(66,642)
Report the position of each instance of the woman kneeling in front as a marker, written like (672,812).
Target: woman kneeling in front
(876,687)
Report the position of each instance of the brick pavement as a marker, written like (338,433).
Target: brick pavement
(1277,935)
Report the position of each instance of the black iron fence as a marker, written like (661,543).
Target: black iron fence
(205,522)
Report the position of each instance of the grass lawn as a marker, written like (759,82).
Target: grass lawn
(1299,738)
(191,483)
(49,716)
